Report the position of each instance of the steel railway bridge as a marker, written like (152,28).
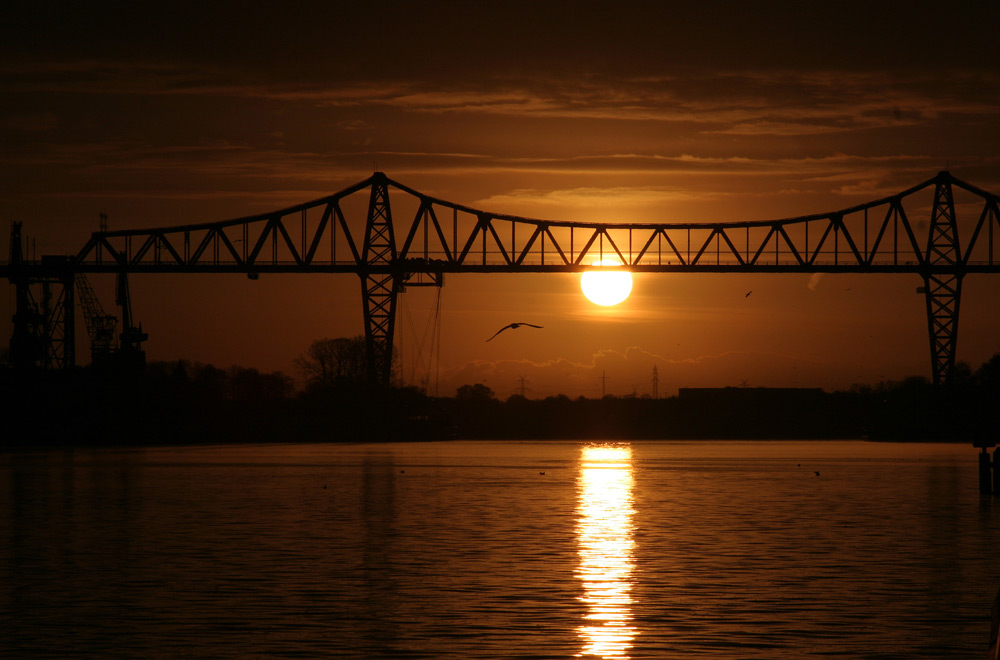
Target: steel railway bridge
(416,239)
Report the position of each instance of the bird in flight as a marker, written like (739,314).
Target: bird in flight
(748,294)
(513,326)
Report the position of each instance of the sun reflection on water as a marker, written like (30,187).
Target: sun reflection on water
(604,537)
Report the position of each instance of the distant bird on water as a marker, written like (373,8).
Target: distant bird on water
(513,326)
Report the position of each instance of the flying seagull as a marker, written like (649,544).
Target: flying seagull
(513,326)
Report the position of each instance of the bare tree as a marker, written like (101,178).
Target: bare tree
(330,362)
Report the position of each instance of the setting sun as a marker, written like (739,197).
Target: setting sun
(606,286)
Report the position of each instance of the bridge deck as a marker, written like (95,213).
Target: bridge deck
(328,236)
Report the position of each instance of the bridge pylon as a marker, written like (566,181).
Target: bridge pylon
(43,313)
(379,288)
(943,281)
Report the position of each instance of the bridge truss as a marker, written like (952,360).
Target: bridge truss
(354,231)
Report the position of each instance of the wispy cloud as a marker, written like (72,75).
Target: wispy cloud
(607,198)
(722,147)
(788,103)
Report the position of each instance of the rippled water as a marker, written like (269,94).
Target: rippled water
(498,550)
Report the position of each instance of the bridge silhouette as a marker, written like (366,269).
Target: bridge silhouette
(356,231)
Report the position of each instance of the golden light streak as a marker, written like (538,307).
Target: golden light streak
(605,545)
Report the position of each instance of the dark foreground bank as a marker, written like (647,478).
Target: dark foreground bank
(179,403)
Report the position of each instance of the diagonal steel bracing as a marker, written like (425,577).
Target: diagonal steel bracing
(943,294)
(324,236)
(943,289)
(353,231)
(379,289)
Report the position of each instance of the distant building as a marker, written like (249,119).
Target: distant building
(756,412)
(763,396)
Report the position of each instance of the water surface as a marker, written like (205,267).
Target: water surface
(498,550)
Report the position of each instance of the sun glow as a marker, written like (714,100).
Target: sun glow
(604,538)
(606,286)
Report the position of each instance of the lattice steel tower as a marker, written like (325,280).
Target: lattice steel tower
(943,288)
(379,289)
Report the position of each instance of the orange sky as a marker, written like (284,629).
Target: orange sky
(675,112)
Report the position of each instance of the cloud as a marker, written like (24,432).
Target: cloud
(353,125)
(789,102)
(610,197)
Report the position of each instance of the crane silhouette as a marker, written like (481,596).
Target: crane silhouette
(512,326)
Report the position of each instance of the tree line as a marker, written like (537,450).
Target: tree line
(183,402)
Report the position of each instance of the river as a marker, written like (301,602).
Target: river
(461,549)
